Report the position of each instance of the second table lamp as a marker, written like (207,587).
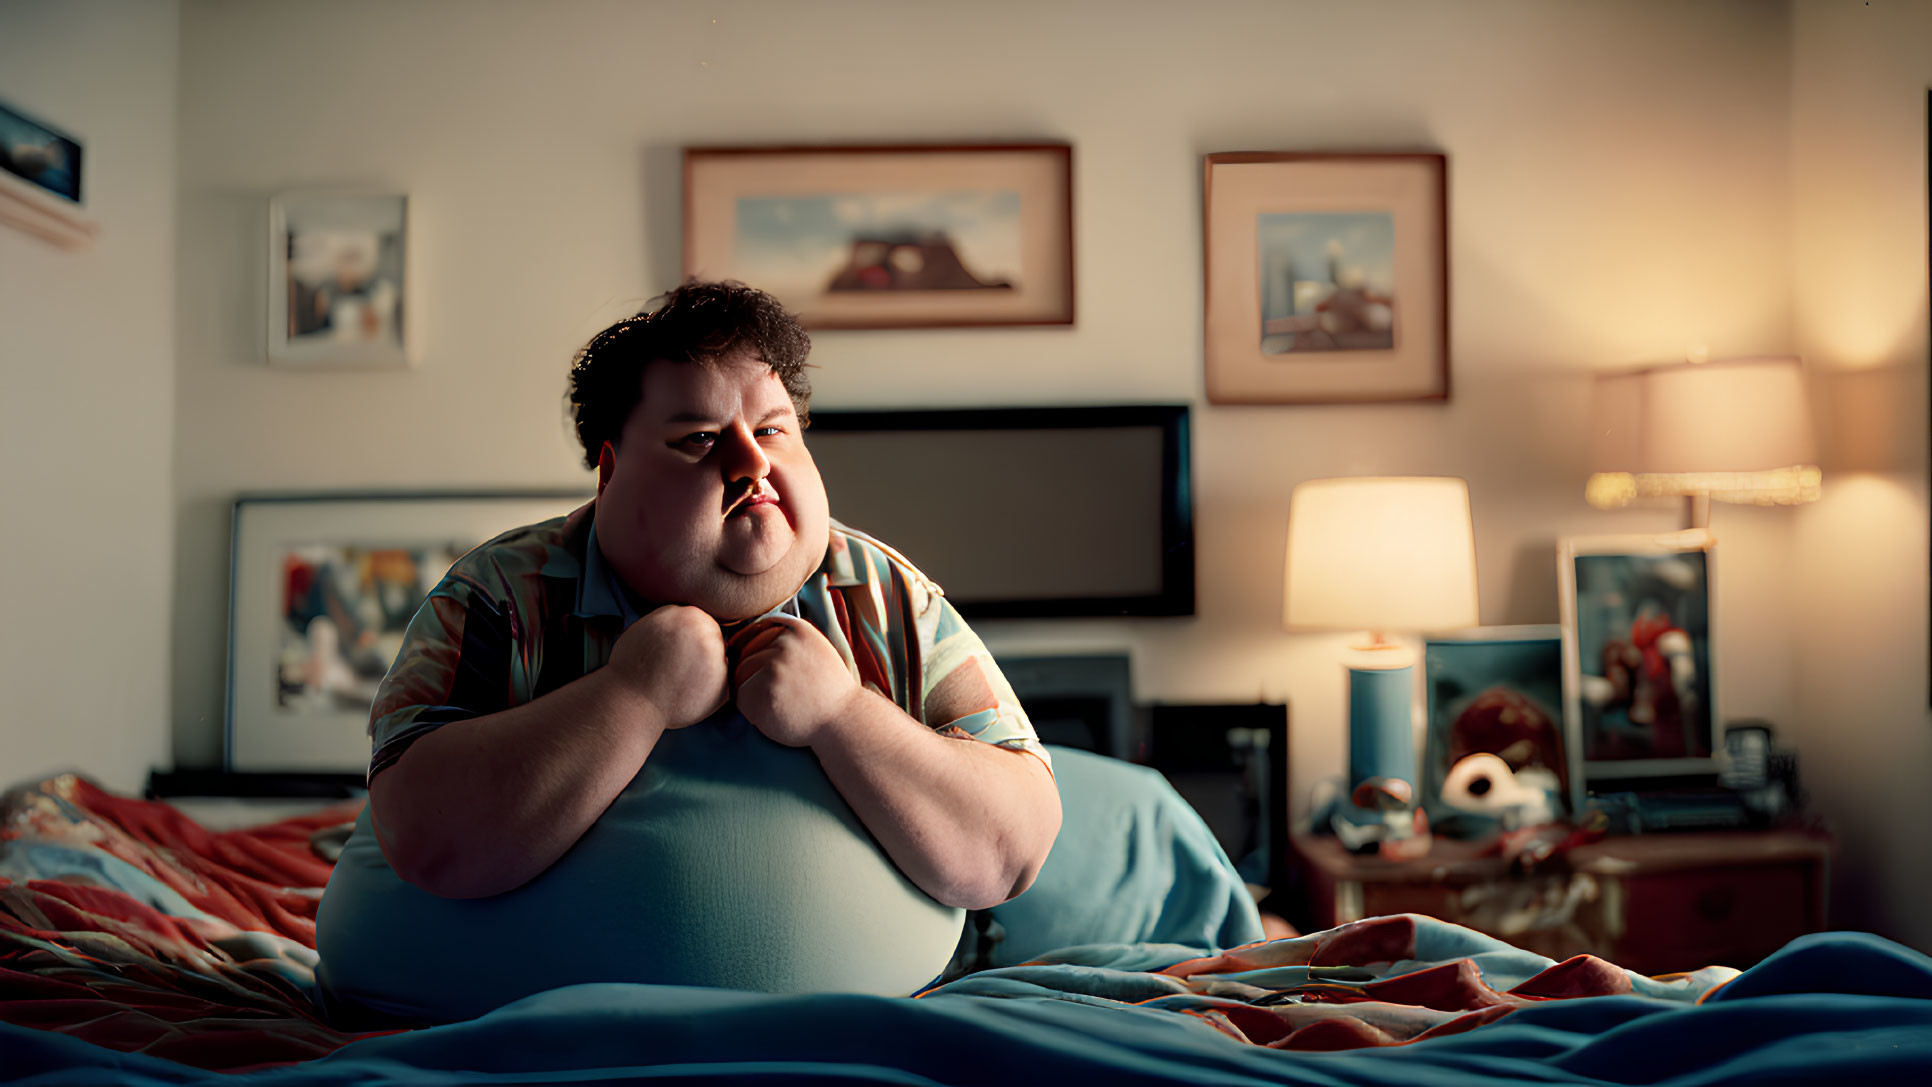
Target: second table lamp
(1386,555)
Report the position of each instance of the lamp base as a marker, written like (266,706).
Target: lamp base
(1381,741)
(1381,812)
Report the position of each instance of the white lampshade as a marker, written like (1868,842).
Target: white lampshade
(1380,554)
(1736,430)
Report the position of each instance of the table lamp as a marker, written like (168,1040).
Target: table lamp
(1385,555)
(1735,430)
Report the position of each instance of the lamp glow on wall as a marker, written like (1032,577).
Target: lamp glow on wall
(1385,555)
(1736,430)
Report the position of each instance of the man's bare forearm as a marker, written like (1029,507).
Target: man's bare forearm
(968,822)
(482,806)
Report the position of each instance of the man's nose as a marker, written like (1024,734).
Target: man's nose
(743,459)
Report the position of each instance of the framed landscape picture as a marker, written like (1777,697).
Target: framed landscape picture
(321,587)
(888,237)
(1639,695)
(338,279)
(1327,278)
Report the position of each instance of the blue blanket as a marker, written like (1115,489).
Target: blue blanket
(177,950)
(1830,1008)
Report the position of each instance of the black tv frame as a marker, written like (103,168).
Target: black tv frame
(1176,595)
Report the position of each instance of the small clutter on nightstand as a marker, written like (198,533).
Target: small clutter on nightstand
(1665,875)
(1757,788)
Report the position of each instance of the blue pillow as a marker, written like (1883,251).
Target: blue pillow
(1133,864)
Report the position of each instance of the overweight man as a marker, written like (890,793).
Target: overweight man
(694,733)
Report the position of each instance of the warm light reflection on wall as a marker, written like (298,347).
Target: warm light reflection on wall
(1861,576)
(1862,501)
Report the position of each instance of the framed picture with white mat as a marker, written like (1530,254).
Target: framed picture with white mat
(321,589)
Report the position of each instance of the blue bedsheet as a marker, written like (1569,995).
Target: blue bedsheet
(1830,1008)
(123,925)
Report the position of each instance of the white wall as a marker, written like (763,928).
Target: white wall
(1860,75)
(1617,195)
(87,403)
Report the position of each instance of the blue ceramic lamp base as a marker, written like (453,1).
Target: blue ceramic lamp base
(1380,741)
(1381,758)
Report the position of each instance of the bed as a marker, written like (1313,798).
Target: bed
(138,946)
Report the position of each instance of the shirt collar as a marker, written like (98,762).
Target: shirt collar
(600,593)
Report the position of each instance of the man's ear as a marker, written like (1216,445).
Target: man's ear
(606,464)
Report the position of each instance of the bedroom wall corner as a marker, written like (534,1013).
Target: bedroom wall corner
(1860,79)
(87,401)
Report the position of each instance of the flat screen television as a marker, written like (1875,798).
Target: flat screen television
(1023,512)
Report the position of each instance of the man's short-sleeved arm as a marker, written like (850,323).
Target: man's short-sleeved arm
(454,665)
(963,691)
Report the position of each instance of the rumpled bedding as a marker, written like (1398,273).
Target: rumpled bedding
(126,924)
(138,947)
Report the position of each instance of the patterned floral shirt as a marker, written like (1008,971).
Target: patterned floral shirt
(537,607)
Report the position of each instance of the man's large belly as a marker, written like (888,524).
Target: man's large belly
(729,861)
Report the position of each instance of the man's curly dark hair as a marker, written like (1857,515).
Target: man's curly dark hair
(698,322)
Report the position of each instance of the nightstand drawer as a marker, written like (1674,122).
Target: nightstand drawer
(1379,899)
(1729,916)
(1658,904)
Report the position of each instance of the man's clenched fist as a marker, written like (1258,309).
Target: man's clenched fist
(675,657)
(791,682)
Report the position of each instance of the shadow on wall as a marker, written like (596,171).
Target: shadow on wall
(1532,581)
(200,662)
(1872,420)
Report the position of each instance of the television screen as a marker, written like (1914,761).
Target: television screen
(1025,511)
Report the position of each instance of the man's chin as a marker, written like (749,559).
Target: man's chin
(734,597)
(748,584)
(751,564)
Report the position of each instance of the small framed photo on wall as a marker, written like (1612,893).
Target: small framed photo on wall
(41,175)
(338,279)
(1638,687)
(1327,278)
(889,237)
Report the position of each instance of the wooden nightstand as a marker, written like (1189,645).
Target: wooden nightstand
(1656,903)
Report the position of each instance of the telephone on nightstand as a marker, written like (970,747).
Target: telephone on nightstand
(1757,788)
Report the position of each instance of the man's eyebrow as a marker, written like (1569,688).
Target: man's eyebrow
(702,417)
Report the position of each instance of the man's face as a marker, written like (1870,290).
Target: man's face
(709,497)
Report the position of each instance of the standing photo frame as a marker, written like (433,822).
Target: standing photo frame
(1326,277)
(321,588)
(1638,683)
(339,279)
(908,236)
(1496,691)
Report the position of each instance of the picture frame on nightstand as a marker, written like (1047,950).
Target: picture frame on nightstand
(1496,691)
(1639,691)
